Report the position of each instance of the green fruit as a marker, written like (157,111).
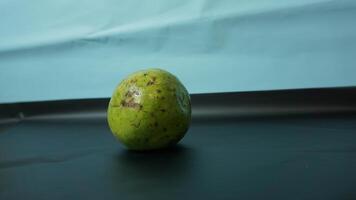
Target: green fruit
(150,109)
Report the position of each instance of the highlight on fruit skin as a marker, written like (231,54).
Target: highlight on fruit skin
(150,109)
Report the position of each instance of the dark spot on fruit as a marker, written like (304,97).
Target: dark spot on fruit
(128,94)
(156,124)
(163,110)
(141,107)
(136,125)
(181,99)
(150,82)
(159,91)
(145,74)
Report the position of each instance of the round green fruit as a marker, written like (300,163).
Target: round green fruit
(150,109)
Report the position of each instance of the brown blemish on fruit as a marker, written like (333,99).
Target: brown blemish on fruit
(129,98)
(130,103)
(130,93)
(158,91)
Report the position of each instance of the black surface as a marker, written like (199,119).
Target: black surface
(300,158)
(216,105)
(293,147)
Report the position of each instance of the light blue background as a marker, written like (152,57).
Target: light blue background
(64,49)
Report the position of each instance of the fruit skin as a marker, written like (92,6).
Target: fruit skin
(150,109)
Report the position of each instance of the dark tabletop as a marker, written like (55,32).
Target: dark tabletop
(277,158)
